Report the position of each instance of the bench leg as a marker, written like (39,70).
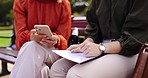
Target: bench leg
(4,70)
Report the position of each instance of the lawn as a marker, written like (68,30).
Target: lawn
(3,32)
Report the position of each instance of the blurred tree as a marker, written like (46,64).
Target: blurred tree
(79,6)
(6,14)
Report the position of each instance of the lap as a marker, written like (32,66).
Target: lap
(38,52)
(108,66)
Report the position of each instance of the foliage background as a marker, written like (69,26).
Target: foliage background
(6,13)
(79,8)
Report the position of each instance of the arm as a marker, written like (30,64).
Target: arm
(63,31)
(92,29)
(134,33)
(20,23)
(135,29)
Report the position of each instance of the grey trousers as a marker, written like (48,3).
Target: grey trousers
(31,60)
(108,66)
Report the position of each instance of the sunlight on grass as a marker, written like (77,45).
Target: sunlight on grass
(5,41)
(6,27)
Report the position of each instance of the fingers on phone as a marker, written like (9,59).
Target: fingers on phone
(33,31)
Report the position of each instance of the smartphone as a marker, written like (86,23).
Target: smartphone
(43,29)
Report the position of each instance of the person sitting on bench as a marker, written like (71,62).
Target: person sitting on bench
(34,59)
(116,30)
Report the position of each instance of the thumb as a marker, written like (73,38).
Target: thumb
(33,31)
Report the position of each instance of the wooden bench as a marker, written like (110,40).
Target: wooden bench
(141,69)
(9,53)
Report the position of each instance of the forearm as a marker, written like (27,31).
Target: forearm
(112,47)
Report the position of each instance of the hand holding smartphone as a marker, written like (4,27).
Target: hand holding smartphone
(43,29)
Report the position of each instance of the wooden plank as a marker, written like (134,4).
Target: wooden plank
(80,23)
(7,58)
(8,54)
(8,51)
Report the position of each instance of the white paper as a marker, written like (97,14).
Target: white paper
(75,57)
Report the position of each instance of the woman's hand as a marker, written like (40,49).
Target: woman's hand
(49,42)
(36,37)
(88,47)
(74,47)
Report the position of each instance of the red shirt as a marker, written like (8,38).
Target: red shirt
(28,13)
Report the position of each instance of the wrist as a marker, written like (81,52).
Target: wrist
(102,48)
(112,47)
(89,39)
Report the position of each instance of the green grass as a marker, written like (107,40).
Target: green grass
(5,41)
(6,27)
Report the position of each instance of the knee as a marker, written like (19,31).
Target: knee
(55,70)
(30,44)
(29,48)
(76,72)
(60,68)
(73,73)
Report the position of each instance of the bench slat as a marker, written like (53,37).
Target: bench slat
(7,58)
(8,51)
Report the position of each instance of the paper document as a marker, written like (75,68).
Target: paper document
(75,57)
